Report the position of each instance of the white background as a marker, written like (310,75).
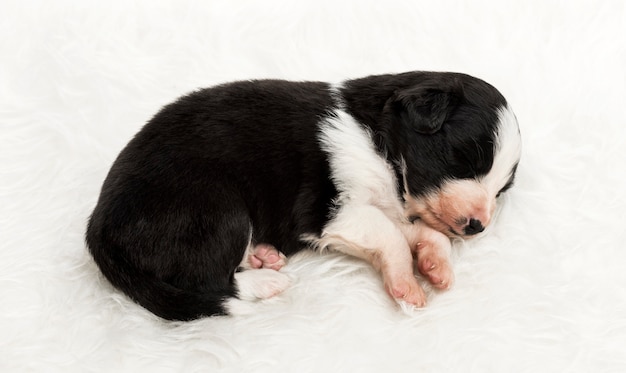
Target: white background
(543,291)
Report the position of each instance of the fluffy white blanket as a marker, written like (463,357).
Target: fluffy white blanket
(543,291)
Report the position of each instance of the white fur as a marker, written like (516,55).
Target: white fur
(369,219)
(253,285)
(260,283)
(365,182)
(360,174)
(543,291)
(507,154)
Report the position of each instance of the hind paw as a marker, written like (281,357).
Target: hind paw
(266,256)
(261,283)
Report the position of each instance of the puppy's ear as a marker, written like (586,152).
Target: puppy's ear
(424,109)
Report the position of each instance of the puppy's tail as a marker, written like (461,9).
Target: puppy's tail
(159,297)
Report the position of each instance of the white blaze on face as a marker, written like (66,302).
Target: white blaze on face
(507,152)
(451,208)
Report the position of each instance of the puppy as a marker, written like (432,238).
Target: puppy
(201,208)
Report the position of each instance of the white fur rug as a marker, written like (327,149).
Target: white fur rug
(543,291)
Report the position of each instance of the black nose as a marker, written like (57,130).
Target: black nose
(474,227)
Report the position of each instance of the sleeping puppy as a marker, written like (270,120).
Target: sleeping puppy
(201,208)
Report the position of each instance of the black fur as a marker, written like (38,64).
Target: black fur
(176,209)
(461,149)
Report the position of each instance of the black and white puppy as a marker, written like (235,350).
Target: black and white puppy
(200,209)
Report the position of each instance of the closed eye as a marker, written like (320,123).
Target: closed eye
(505,188)
(509,183)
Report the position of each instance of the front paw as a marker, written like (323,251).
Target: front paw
(435,268)
(406,290)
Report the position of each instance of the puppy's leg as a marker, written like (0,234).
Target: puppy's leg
(432,249)
(367,233)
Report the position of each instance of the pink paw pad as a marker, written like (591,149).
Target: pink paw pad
(437,270)
(408,291)
(266,256)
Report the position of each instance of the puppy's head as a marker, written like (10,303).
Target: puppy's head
(459,145)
